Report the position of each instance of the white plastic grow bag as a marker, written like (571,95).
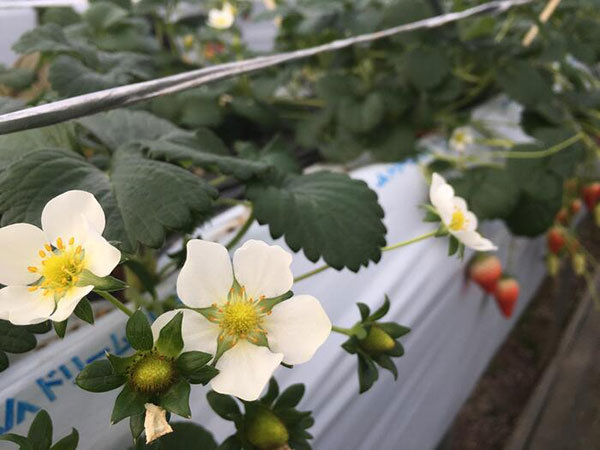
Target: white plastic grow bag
(455,332)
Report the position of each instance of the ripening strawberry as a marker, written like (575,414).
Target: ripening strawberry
(562,216)
(591,195)
(575,206)
(556,240)
(506,295)
(486,271)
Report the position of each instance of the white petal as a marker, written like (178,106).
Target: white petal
(297,327)
(197,332)
(100,257)
(67,304)
(71,214)
(474,240)
(206,277)
(460,204)
(20,244)
(263,269)
(245,370)
(471,221)
(24,307)
(441,195)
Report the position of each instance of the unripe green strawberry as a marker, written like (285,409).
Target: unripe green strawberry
(578,263)
(486,271)
(553,264)
(266,431)
(377,341)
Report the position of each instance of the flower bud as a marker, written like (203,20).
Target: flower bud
(377,341)
(266,431)
(553,264)
(152,373)
(578,263)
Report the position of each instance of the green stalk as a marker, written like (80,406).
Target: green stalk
(115,302)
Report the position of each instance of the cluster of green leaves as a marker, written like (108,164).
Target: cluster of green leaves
(39,436)
(375,343)
(171,391)
(18,339)
(270,422)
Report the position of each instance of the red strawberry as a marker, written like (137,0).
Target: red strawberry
(562,216)
(591,194)
(486,271)
(575,206)
(556,240)
(506,295)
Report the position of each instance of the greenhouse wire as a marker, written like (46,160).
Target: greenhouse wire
(82,105)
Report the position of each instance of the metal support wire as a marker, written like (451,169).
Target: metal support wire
(82,105)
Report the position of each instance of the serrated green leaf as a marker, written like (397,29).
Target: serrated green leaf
(4,363)
(177,399)
(99,376)
(40,431)
(141,198)
(103,15)
(15,339)
(139,332)
(427,67)
(69,442)
(224,405)
(394,144)
(128,403)
(290,397)
(523,82)
(361,116)
(17,78)
(84,311)
(170,342)
(325,214)
(45,38)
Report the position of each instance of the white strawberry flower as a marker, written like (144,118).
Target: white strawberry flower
(223,18)
(41,268)
(455,214)
(461,139)
(256,335)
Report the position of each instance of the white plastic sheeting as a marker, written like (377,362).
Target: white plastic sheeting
(455,332)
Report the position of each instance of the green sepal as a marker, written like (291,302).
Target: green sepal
(177,399)
(120,364)
(461,251)
(231,443)
(139,332)
(21,441)
(364,311)
(105,284)
(224,343)
(441,231)
(382,310)
(40,328)
(290,397)
(170,342)
(4,362)
(367,372)
(40,431)
(272,392)
(84,311)
(387,363)
(351,345)
(192,366)
(224,405)
(431,214)
(397,351)
(99,376)
(60,328)
(453,245)
(128,403)
(393,329)
(69,442)
(267,304)
(136,425)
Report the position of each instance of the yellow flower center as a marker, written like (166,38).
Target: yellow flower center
(59,268)
(240,318)
(459,221)
(460,137)
(152,373)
